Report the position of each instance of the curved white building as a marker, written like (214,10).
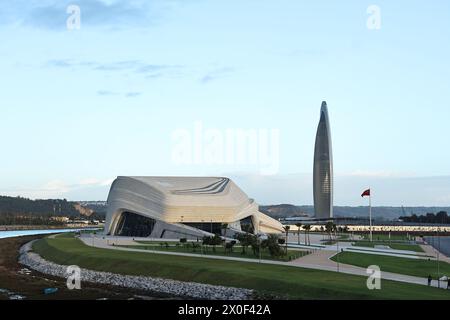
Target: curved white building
(182,207)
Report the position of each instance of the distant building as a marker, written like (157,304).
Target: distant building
(60,219)
(323,168)
(182,207)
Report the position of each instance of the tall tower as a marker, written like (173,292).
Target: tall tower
(323,168)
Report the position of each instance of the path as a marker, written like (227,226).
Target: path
(319,260)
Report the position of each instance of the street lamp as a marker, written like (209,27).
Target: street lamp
(438,252)
(259,238)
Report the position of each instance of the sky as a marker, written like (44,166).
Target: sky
(226,88)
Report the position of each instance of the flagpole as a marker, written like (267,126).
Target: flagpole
(370,213)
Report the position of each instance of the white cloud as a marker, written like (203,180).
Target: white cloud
(378,174)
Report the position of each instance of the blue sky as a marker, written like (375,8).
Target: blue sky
(80,107)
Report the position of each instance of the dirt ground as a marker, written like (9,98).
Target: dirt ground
(16,284)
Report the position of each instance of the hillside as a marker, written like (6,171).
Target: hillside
(22,206)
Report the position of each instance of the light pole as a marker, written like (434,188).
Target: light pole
(203,222)
(438,252)
(259,239)
(337,249)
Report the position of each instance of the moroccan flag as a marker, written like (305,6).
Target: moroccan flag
(366,193)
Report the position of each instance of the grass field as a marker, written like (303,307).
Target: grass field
(219,251)
(271,280)
(396,246)
(384,236)
(413,267)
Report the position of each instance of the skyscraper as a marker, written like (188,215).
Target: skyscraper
(323,168)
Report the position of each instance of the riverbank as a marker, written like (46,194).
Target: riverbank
(164,286)
(45,227)
(17,282)
(22,233)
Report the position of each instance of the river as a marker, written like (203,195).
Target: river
(21,233)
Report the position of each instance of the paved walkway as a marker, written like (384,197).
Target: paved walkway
(430,251)
(319,260)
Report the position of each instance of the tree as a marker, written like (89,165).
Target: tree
(329,226)
(299,226)
(183,241)
(272,244)
(245,240)
(307,229)
(286,228)
(229,246)
(212,241)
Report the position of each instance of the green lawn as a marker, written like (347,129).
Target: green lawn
(384,236)
(413,267)
(218,251)
(392,245)
(406,246)
(282,281)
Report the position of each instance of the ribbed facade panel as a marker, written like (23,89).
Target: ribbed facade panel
(323,168)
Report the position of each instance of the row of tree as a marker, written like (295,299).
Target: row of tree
(247,242)
(329,228)
(440,217)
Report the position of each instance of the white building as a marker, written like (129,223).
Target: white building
(182,207)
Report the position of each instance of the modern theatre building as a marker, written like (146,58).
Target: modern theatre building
(182,207)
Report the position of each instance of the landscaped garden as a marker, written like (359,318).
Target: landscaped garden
(408,266)
(273,280)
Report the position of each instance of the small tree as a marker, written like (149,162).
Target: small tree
(215,241)
(229,246)
(183,242)
(307,230)
(286,229)
(272,243)
(299,226)
(206,241)
(329,228)
(245,241)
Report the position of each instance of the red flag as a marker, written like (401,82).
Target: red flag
(366,193)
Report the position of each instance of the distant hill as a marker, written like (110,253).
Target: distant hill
(387,213)
(25,206)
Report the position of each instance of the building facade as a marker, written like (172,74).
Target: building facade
(323,168)
(182,207)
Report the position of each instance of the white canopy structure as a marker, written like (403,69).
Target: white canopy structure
(176,207)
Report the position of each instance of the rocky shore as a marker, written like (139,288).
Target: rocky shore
(172,287)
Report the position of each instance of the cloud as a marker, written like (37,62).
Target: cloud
(132,94)
(116,14)
(135,66)
(379,174)
(106,93)
(216,74)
